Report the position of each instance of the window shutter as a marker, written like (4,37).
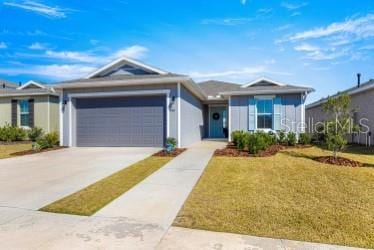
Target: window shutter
(31,113)
(14,113)
(252,114)
(277,113)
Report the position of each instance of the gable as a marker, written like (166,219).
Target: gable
(125,66)
(32,85)
(263,82)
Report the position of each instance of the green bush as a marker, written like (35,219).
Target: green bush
(35,133)
(282,137)
(271,138)
(291,139)
(9,133)
(305,138)
(238,138)
(257,141)
(47,141)
(171,141)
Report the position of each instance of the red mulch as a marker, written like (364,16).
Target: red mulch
(31,151)
(231,151)
(340,161)
(175,153)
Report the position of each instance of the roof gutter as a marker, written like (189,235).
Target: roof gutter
(27,94)
(263,92)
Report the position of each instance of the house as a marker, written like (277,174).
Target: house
(129,103)
(30,105)
(362,101)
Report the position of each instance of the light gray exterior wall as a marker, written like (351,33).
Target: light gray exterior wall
(173,107)
(192,118)
(291,112)
(363,102)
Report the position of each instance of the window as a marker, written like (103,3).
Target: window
(25,113)
(264,113)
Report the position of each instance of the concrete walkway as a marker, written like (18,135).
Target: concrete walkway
(190,239)
(159,197)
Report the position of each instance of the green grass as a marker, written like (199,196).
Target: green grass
(94,197)
(7,150)
(286,196)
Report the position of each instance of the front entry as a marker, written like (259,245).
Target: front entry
(218,122)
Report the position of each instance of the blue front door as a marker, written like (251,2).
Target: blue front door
(218,122)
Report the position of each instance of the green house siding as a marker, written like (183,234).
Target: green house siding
(45,111)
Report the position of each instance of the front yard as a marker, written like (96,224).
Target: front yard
(288,195)
(7,149)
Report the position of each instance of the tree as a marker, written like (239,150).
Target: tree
(340,123)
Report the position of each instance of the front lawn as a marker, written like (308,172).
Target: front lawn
(288,195)
(94,197)
(7,149)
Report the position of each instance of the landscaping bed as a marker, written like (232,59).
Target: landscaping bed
(340,161)
(174,153)
(231,151)
(32,151)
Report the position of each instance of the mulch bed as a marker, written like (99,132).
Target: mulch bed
(340,161)
(31,151)
(174,153)
(231,151)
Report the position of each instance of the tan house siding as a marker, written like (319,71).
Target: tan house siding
(45,112)
(363,102)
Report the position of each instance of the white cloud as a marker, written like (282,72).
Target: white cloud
(3,45)
(362,27)
(71,55)
(306,47)
(37,46)
(242,71)
(38,8)
(243,2)
(54,71)
(230,21)
(134,52)
(293,6)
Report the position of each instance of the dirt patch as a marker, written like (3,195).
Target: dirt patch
(232,151)
(31,151)
(174,153)
(339,161)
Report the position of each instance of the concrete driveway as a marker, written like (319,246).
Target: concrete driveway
(34,181)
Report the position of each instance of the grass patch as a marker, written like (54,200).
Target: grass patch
(7,149)
(94,197)
(288,195)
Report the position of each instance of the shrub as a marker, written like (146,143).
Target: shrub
(257,141)
(35,133)
(305,138)
(9,133)
(291,139)
(238,138)
(282,138)
(271,138)
(171,144)
(47,141)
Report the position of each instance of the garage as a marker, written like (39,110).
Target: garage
(131,121)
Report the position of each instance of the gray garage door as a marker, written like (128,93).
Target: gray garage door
(121,121)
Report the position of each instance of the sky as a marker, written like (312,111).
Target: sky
(322,44)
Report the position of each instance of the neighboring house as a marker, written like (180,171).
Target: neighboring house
(30,105)
(362,101)
(128,103)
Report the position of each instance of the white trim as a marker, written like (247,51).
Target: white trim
(179,114)
(124,60)
(165,92)
(49,114)
(262,79)
(31,83)
(61,114)
(302,113)
(229,119)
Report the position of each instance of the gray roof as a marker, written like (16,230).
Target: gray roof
(350,91)
(7,84)
(119,77)
(26,92)
(213,88)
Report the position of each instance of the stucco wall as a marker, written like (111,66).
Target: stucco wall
(192,120)
(291,112)
(173,107)
(364,104)
(41,112)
